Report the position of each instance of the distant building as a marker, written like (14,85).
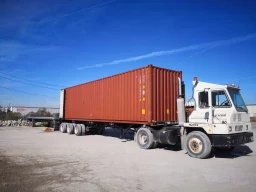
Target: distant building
(251,110)
(26,110)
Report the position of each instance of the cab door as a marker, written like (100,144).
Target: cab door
(220,102)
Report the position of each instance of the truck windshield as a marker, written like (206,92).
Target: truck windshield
(237,100)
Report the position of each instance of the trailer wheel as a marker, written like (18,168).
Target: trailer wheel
(144,138)
(70,128)
(78,130)
(198,145)
(63,127)
(83,129)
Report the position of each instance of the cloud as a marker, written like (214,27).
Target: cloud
(202,47)
(8,84)
(10,51)
(81,10)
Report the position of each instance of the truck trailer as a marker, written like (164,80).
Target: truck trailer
(151,102)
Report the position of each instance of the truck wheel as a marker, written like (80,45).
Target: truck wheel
(70,128)
(78,130)
(144,138)
(63,127)
(198,145)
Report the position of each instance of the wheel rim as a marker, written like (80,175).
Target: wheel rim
(143,138)
(68,130)
(195,145)
(61,128)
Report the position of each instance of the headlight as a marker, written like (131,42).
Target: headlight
(239,127)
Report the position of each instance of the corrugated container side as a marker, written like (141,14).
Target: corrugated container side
(137,96)
(165,93)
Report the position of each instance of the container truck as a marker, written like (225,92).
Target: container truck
(150,101)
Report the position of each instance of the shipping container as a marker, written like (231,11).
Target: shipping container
(141,96)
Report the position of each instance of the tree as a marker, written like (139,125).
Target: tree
(13,116)
(2,113)
(43,112)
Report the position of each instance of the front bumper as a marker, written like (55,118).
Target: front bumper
(229,140)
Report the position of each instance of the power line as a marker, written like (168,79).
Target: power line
(33,80)
(28,83)
(26,92)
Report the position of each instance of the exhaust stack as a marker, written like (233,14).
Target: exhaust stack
(181,107)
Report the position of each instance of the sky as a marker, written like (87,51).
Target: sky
(69,42)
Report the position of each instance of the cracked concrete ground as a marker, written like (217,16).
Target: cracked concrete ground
(33,160)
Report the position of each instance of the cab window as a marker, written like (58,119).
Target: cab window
(220,99)
(203,100)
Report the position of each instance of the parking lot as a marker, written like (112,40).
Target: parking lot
(34,160)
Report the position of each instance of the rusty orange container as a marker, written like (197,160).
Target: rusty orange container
(140,96)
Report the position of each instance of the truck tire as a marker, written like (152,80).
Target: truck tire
(144,138)
(78,130)
(198,145)
(63,127)
(70,128)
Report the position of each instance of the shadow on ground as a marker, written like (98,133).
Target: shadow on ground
(238,151)
(128,135)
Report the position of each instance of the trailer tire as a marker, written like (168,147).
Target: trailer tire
(78,130)
(198,145)
(83,129)
(70,128)
(144,138)
(63,127)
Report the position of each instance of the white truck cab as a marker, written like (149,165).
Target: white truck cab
(219,119)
